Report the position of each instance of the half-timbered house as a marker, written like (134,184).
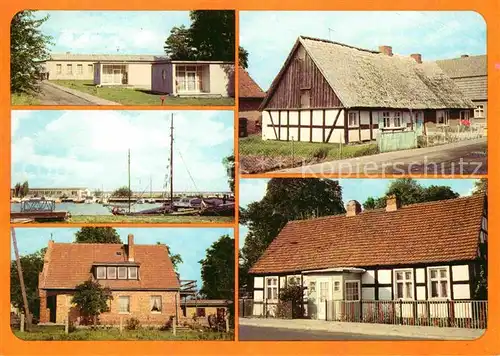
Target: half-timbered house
(331,92)
(418,254)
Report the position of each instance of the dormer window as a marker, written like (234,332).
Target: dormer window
(116,272)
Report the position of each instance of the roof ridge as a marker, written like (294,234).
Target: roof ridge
(339,44)
(368,211)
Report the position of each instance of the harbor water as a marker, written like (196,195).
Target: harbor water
(90,209)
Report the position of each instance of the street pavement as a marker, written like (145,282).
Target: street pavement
(50,95)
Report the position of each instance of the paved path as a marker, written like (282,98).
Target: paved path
(257,333)
(308,327)
(54,94)
(50,95)
(464,157)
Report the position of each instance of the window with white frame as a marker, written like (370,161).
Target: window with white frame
(353,119)
(155,304)
(111,273)
(403,284)
(438,282)
(58,68)
(352,290)
(189,78)
(132,273)
(272,288)
(101,273)
(69,68)
(397,120)
(122,272)
(124,304)
(479,111)
(442,117)
(336,286)
(79,68)
(386,116)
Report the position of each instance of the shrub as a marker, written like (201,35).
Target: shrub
(168,325)
(132,324)
(320,153)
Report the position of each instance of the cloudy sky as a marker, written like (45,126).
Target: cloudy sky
(190,243)
(89,148)
(352,189)
(269,36)
(125,32)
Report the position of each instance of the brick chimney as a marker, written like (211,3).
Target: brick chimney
(417,57)
(353,208)
(387,50)
(392,203)
(130,248)
(464,56)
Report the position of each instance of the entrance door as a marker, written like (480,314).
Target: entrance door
(418,121)
(52,305)
(324,292)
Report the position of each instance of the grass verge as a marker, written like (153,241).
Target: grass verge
(24,99)
(57,333)
(130,96)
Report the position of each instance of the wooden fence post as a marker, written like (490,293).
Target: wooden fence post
(66,325)
(227,322)
(121,324)
(22,323)
(174,326)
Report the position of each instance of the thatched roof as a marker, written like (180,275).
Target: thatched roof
(366,78)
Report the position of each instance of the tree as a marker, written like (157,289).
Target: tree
(31,265)
(179,45)
(409,191)
(217,270)
(91,299)
(122,192)
(243,57)
(229,165)
(98,193)
(97,235)
(480,186)
(210,37)
(28,46)
(175,258)
(17,190)
(25,189)
(286,199)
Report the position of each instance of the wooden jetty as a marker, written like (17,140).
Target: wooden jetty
(38,211)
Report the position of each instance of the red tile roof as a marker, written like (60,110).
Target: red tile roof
(440,231)
(247,87)
(69,264)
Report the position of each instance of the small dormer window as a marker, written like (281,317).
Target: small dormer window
(122,272)
(101,273)
(132,273)
(111,272)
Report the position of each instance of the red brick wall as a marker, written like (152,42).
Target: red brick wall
(139,308)
(249,109)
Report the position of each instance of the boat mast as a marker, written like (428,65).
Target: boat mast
(150,187)
(129,191)
(172,162)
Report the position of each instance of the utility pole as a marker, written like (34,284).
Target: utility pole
(129,191)
(21,281)
(172,162)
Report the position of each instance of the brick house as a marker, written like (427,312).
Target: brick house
(250,97)
(142,279)
(417,254)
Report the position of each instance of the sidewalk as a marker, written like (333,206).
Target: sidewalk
(430,332)
(91,98)
(400,160)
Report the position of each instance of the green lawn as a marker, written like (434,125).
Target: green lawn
(24,99)
(103,219)
(254,145)
(57,333)
(129,96)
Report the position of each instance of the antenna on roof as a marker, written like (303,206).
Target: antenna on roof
(330,32)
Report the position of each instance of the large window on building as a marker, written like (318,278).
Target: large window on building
(272,288)
(403,284)
(189,78)
(442,117)
(155,303)
(79,69)
(439,284)
(124,304)
(352,290)
(58,68)
(69,69)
